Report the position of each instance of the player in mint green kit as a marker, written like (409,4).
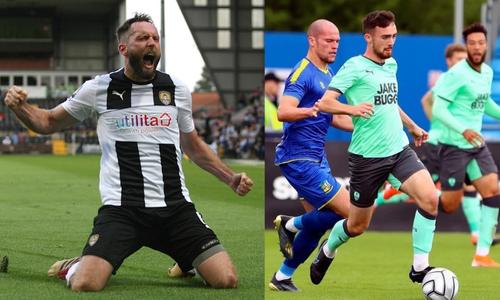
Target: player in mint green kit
(470,202)
(461,98)
(379,148)
(453,54)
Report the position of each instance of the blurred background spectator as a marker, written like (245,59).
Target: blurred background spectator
(271,89)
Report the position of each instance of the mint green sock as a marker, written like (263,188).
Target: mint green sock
(338,236)
(472,211)
(487,226)
(423,233)
(379,201)
(398,198)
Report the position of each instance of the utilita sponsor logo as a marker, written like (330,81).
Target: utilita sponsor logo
(143,120)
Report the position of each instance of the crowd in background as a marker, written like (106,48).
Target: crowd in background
(235,133)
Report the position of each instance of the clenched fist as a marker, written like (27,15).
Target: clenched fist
(15,97)
(241,184)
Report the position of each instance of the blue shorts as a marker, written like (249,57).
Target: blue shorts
(313,181)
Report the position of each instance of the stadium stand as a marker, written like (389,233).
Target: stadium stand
(233,133)
(61,44)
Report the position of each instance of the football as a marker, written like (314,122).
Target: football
(440,284)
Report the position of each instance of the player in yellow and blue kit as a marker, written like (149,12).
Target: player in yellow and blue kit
(301,156)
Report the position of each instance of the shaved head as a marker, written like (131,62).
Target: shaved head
(319,26)
(323,37)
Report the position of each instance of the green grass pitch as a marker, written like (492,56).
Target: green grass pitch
(47,205)
(376,264)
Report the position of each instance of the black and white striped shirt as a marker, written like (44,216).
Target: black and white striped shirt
(138,128)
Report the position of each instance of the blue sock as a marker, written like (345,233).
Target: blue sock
(303,245)
(315,224)
(321,220)
(286,270)
(297,222)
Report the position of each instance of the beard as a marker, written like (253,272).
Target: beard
(476,63)
(381,54)
(137,62)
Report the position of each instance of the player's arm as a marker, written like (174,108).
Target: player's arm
(42,121)
(427,102)
(199,152)
(407,121)
(288,110)
(330,103)
(343,122)
(492,109)
(441,112)
(419,135)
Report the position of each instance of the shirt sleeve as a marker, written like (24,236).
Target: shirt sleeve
(440,112)
(447,86)
(81,104)
(345,77)
(296,88)
(184,109)
(492,109)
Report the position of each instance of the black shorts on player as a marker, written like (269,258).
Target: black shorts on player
(456,163)
(369,174)
(178,232)
(430,158)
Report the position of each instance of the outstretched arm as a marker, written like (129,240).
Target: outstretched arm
(199,152)
(42,121)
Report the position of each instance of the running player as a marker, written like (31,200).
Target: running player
(461,97)
(429,155)
(470,202)
(301,155)
(379,147)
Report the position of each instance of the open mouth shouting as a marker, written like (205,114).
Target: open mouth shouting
(150,60)
(144,64)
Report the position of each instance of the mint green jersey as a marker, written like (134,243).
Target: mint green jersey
(361,79)
(467,92)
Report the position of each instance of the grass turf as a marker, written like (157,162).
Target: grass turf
(376,264)
(47,205)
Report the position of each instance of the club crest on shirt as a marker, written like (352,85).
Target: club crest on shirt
(93,239)
(326,186)
(165,97)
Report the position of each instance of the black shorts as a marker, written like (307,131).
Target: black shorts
(430,158)
(458,163)
(369,174)
(177,231)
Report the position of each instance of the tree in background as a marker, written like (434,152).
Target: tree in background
(412,16)
(205,84)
